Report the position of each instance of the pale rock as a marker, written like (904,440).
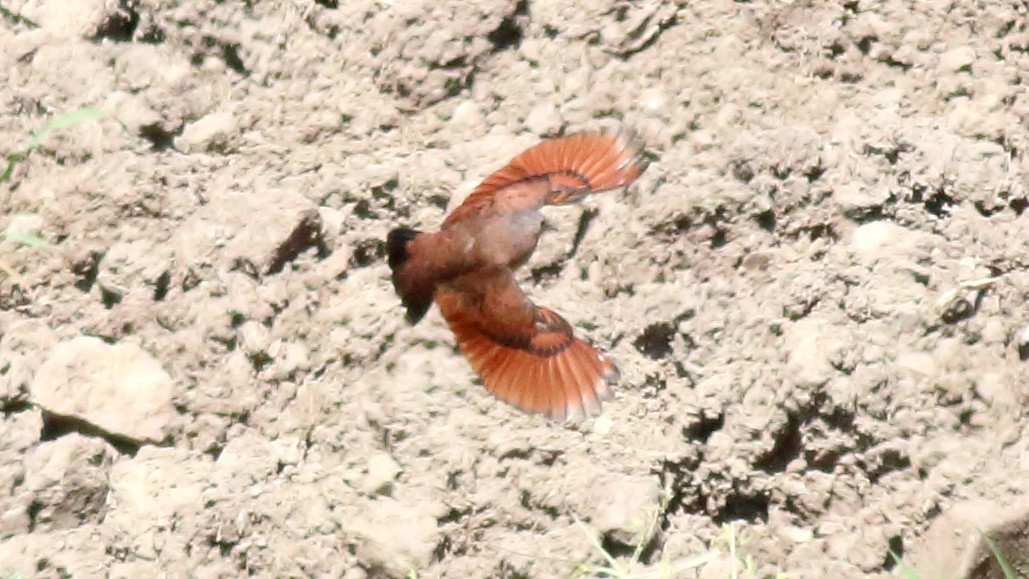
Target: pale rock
(855,200)
(956,58)
(873,237)
(994,389)
(144,68)
(132,111)
(758,261)
(332,220)
(543,119)
(922,363)
(812,344)
(18,47)
(656,100)
(288,450)
(381,545)
(797,534)
(994,332)
(23,225)
(603,425)
(248,452)
(70,20)
(355,573)
(120,388)
(382,469)
(14,520)
(467,114)
(626,507)
(214,133)
(254,338)
(719,446)
(293,356)
(337,264)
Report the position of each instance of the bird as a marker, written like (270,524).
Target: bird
(526,355)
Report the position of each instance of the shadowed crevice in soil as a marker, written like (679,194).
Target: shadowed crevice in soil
(704,427)
(512,28)
(11,406)
(645,554)
(58,425)
(585,220)
(789,445)
(656,341)
(815,420)
(120,25)
(743,506)
(159,137)
(307,234)
(227,51)
(86,270)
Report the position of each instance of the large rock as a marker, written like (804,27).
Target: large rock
(71,19)
(119,388)
(217,132)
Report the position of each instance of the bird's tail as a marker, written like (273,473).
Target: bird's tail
(413,286)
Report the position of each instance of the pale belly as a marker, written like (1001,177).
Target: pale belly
(509,240)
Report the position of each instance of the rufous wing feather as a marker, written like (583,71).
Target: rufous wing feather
(539,366)
(558,171)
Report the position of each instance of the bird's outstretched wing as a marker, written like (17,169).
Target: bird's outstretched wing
(526,355)
(557,171)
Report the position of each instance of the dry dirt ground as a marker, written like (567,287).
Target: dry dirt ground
(208,373)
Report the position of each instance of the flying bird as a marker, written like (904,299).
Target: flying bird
(526,355)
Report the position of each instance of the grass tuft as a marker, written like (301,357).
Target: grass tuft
(57,123)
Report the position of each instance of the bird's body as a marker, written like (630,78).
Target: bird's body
(526,355)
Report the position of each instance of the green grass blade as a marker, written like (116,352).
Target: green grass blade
(11,162)
(17,18)
(1005,567)
(64,121)
(27,239)
(905,570)
(596,544)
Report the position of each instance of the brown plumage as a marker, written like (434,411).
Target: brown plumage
(526,355)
